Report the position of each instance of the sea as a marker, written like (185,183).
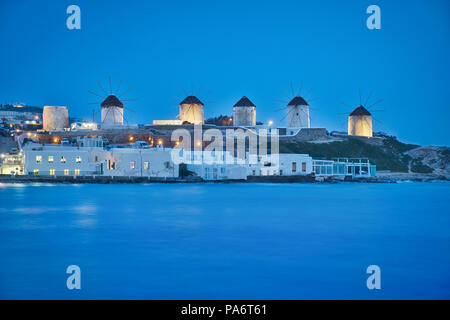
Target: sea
(225,241)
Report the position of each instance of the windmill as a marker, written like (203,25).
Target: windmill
(112,107)
(191,109)
(244,113)
(297,108)
(359,121)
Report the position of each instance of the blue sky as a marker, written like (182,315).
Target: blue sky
(227,49)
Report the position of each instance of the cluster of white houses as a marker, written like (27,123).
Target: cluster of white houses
(90,158)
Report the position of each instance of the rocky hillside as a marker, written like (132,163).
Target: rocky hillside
(387,153)
(434,160)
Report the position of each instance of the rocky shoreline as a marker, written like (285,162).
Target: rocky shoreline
(382,177)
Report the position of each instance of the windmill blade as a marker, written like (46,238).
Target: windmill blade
(292,90)
(91,92)
(344,104)
(106,115)
(308,114)
(300,89)
(130,100)
(129,109)
(207,93)
(368,124)
(126,92)
(359,92)
(200,89)
(102,88)
(368,97)
(307,92)
(184,91)
(193,113)
(377,110)
(282,92)
(377,120)
(377,102)
(118,88)
(288,113)
(343,113)
(283,108)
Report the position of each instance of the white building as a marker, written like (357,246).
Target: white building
(135,162)
(282,164)
(59,160)
(221,166)
(12,164)
(342,167)
(90,158)
(212,165)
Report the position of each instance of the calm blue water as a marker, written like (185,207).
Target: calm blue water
(223,241)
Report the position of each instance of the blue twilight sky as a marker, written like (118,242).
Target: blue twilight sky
(227,49)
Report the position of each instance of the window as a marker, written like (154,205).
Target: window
(52,172)
(78,159)
(36,172)
(303,166)
(281,172)
(77,172)
(50,159)
(274,172)
(63,159)
(222,170)
(132,164)
(66,172)
(294,166)
(38,159)
(254,172)
(146,165)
